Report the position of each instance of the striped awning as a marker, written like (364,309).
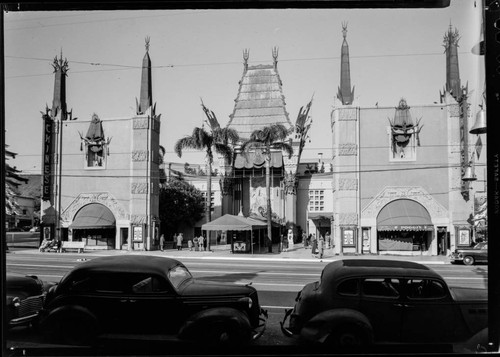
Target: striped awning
(404,215)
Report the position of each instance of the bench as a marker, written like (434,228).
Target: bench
(80,246)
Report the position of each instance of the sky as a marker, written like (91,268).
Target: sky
(198,55)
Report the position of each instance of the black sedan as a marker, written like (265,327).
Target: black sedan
(361,302)
(140,295)
(25,298)
(472,255)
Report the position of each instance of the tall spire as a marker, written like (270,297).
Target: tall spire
(59,106)
(146,98)
(450,43)
(345,94)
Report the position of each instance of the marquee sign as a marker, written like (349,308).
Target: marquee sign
(47,157)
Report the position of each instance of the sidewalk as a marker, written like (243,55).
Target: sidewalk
(297,253)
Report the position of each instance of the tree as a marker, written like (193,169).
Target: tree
(180,202)
(12,182)
(218,140)
(268,139)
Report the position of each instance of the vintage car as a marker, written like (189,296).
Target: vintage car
(360,302)
(25,298)
(141,295)
(470,256)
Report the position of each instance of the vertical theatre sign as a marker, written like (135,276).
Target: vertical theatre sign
(47,157)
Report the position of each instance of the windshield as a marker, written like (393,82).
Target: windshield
(179,275)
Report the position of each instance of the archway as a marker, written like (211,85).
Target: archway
(404,225)
(95,225)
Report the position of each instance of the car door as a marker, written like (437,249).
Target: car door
(483,253)
(153,305)
(381,303)
(429,314)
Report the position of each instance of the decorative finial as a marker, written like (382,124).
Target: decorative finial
(147,43)
(275,53)
(344,29)
(275,57)
(246,55)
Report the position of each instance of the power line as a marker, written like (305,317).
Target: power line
(126,67)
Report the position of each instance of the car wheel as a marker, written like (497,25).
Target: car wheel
(225,334)
(348,337)
(468,260)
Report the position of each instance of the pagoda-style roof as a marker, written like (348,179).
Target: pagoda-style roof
(260,101)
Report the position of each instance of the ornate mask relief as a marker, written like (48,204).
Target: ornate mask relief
(404,133)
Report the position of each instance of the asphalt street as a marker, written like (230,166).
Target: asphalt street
(277,277)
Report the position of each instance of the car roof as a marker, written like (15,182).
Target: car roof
(128,264)
(376,267)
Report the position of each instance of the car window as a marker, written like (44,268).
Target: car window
(178,275)
(348,287)
(425,289)
(118,283)
(381,287)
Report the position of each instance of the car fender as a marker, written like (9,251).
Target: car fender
(318,328)
(73,311)
(195,324)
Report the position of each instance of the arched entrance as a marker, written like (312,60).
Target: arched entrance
(95,225)
(404,225)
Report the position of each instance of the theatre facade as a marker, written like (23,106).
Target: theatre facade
(100,175)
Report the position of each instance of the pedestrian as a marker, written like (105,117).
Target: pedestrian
(162,242)
(304,239)
(201,240)
(175,239)
(195,243)
(314,244)
(284,241)
(328,241)
(205,242)
(179,241)
(309,240)
(190,244)
(321,246)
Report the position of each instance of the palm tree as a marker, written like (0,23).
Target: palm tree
(267,139)
(218,140)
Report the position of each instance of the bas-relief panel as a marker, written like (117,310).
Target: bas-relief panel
(104,198)
(418,194)
(348,184)
(138,219)
(141,123)
(348,149)
(348,219)
(139,155)
(139,188)
(347,114)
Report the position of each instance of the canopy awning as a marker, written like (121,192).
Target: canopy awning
(320,216)
(257,160)
(228,222)
(93,216)
(404,215)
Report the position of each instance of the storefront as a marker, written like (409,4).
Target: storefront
(404,225)
(95,225)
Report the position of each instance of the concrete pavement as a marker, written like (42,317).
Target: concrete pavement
(297,253)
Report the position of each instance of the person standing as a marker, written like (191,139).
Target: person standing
(304,239)
(162,242)
(190,244)
(175,239)
(328,240)
(314,244)
(284,241)
(201,242)
(205,241)
(179,241)
(321,246)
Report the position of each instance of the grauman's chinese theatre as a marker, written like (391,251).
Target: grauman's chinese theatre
(100,175)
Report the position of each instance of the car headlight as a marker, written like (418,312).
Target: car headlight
(248,301)
(16,302)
